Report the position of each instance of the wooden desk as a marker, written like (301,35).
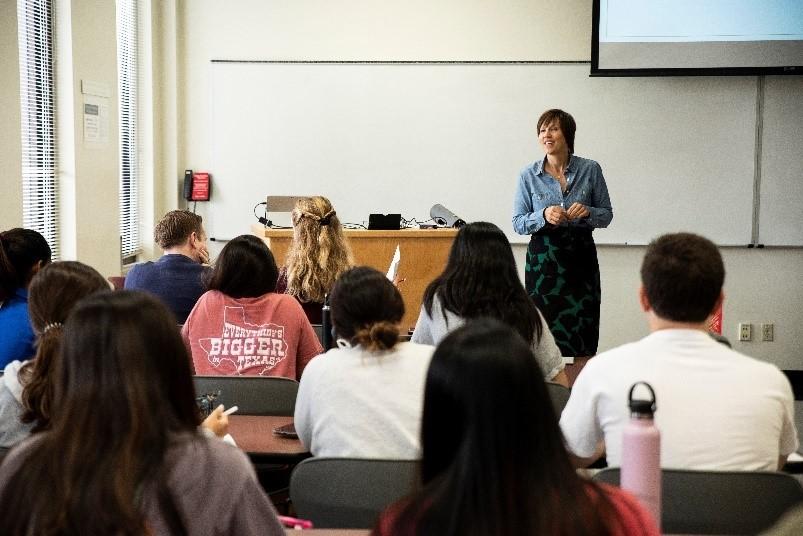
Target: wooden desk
(254,434)
(423,256)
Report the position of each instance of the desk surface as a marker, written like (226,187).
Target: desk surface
(254,434)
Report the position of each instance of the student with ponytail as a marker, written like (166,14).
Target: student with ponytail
(26,389)
(318,255)
(363,399)
(22,253)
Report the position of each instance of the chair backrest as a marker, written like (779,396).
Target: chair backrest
(559,395)
(348,492)
(254,395)
(318,328)
(720,502)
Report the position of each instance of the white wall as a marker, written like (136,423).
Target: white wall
(762,285)
(96,168)
(86,50)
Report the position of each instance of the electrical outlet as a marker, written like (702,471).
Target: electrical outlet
(767,332)
(745,332)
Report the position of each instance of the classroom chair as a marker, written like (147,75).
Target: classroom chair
(117,281)
(254,395)
(349,492)
(318,328)
(720,502)
(559,395)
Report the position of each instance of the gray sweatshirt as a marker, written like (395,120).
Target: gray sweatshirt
(12,430)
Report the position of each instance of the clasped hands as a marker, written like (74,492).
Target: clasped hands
(557,215)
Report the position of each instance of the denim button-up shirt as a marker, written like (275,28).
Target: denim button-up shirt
(538,190)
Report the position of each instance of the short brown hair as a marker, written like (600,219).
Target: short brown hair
(566,122)
(176,227)
(682,275)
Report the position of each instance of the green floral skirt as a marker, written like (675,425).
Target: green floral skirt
(562,277)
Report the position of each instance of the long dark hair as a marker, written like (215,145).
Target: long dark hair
(53,293)
(124,388)
(20,251)
(367,308)
(480,280)
(245,269)
(494,460)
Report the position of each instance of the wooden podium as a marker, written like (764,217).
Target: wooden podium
(423,257)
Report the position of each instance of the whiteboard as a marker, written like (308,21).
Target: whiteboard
(677,153)
(781,199)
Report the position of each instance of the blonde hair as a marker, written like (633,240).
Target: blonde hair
(319,252)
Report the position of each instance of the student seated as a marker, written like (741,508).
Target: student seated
(22,253)
(126,436)
(317,256)
(241,326)
(177,277)
(717,409)
(26,389)
(363,399)
(480,280)
(493,456)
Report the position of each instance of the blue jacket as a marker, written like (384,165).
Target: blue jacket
(16,333)
(175,279)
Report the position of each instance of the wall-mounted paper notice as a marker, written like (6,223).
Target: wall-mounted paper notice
(393,270)
(96,119)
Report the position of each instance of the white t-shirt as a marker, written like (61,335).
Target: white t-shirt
(358,404)
(716,408)
(432,329)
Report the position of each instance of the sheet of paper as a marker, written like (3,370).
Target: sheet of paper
(393,270)
(96,120)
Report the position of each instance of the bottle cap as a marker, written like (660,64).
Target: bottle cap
(642,407)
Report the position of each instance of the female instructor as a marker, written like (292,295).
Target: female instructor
(560,200)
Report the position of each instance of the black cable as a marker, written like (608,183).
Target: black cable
(263,220)
(413,222)
(353,226)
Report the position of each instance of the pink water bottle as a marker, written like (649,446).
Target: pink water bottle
(641,454)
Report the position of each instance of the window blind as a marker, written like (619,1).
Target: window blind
(38,118)
(127,76)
